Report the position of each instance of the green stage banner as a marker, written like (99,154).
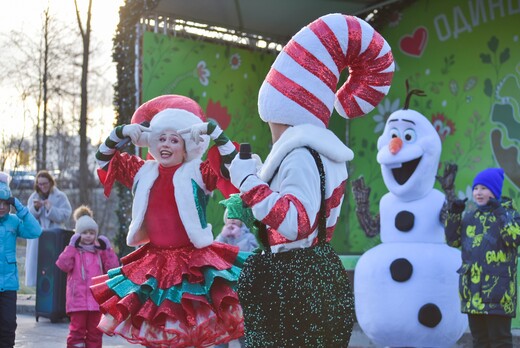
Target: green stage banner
(465,55)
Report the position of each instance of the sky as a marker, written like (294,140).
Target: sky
(26,16)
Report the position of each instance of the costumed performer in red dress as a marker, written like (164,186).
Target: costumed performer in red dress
(178,288)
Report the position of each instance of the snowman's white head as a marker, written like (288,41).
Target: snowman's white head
(409,151)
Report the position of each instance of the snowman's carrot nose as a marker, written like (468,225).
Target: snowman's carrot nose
(395,145)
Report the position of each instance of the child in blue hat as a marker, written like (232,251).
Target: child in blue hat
(489,236)
(12,226)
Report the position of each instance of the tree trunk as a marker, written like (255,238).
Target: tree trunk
(43,163)
(84,177)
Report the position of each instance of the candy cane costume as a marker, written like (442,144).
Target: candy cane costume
(300,91)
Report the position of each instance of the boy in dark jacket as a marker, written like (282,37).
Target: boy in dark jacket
(488,236)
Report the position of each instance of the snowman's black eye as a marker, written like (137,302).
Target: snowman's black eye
(409,135)
(394,133)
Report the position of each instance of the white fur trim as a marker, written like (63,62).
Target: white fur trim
(320,139)
(173,119)
(184,196)
(200,237)
(176,120)
(143,182)
(279,109)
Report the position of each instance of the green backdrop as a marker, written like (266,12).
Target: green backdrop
(465,55)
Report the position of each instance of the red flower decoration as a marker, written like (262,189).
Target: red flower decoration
(443,125)
(219,113)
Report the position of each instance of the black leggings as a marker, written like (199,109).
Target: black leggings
(7,318)
(490,331)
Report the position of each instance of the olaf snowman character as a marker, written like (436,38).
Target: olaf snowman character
(406,288)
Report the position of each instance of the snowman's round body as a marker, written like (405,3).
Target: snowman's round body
(406,288)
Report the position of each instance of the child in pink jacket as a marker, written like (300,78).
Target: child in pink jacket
(87,255)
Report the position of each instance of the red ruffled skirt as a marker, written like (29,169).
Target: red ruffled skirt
(183,297)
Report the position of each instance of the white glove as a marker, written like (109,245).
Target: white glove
(241,169)
(196,131)
(134,131)
(258,160)
(199,129)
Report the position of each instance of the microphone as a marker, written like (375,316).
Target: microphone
(245,151)
(128,140)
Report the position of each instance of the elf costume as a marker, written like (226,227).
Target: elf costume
(178,288)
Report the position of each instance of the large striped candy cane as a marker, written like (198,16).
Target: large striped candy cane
(301,85)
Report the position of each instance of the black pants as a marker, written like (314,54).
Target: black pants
(7,318)
(490,331)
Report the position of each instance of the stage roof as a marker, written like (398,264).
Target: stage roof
(275,19)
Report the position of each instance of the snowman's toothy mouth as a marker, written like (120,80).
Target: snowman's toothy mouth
(402,174)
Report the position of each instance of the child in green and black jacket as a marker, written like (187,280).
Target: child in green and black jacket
(489,237)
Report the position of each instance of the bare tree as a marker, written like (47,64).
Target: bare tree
(40,67)
(42,163)
(11,150)
(85,32)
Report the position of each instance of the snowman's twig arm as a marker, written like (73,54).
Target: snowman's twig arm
(369,224)
(447,181)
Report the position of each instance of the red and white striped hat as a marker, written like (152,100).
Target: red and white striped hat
(300,88)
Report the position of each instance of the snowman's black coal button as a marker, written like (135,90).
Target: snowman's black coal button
(404,221)
(401,270)
(430,315)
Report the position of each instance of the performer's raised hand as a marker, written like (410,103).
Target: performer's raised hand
(241,169)
(210,128)
(134,131)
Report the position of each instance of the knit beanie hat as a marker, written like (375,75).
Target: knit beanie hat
(5,191)
(84,221)
(493,179)
(235,209)
(172,112)
(300,87)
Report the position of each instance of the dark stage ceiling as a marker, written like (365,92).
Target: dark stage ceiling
(275,19)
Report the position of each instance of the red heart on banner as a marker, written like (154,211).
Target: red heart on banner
(415,44)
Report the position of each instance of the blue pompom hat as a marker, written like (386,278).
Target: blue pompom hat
(5,191)
(492,178)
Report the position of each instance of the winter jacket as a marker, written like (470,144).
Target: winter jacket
(289,205)
(12,226)
(489,241)
(56,217)
(80,266)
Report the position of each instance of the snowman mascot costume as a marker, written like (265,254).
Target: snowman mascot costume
(406,288)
